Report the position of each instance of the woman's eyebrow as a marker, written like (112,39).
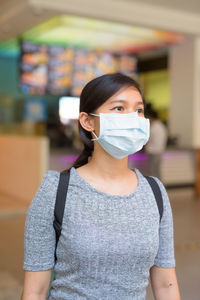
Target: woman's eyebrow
(124,101)
(140,103)
(121,101)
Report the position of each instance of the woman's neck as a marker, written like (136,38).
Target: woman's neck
(107,166)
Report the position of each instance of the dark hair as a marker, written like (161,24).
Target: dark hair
(153,114)
(93,95)
(150,112)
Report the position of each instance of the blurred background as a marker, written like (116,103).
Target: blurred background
(48,51)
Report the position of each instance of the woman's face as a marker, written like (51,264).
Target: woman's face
(126,100)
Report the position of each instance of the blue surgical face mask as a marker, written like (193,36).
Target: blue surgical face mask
(122,134)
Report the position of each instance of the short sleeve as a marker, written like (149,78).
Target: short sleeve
(165,256)
(39,235)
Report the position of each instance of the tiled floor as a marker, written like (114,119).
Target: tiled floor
(186,210)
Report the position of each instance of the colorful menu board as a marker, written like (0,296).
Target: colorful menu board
(62,70)
(34,68)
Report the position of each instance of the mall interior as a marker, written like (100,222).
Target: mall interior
(48,51)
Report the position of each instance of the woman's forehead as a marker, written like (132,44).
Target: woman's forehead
(128,95)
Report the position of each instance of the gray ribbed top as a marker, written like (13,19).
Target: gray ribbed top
(107,245)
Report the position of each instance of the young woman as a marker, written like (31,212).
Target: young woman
(112,237)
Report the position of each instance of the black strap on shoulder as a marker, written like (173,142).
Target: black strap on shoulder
(157,193)
(60,203)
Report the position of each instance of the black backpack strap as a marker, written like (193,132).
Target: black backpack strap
(60,204)
(157,193)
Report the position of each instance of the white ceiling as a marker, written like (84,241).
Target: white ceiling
(181,16)
(192,6)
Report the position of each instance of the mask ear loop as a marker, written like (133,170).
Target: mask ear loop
(96,137)
(93,114)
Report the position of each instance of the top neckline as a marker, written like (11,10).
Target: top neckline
(89,186)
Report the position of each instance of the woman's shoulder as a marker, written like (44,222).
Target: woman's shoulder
(143,181)
(160,184)
(49,184)
(45,195)
(143,177)
(50,178)
(52,174)
(145,188)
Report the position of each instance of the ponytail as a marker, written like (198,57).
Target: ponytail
(88,148)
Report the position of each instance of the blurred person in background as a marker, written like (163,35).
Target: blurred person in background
(156,144)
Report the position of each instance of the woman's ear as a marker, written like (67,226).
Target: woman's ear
(86,121)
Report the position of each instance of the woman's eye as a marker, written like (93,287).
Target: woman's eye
(118,108)
(140,110)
